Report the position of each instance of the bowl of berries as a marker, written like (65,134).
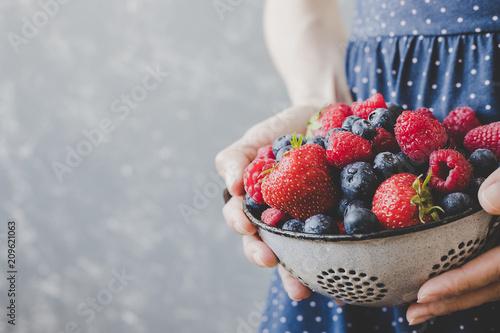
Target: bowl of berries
(375,200)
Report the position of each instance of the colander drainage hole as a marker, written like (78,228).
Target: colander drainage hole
(350,286)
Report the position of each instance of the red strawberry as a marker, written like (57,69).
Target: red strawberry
(418,135)
(425,112)
(403,200)
(363,109)
(273,217)
(460,121)
(301,185)
(265,152)
(486,137)
(451,172)
(252,178)
(345,148)
(384,141)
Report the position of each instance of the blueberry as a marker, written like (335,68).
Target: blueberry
(346,204)
(282,151)
(327,137)
(359,181)
(410,166)
(321,224)
(364,129)
(318,139)
(347,124)
(383,118)
(294,225)
(474,186)
(281,142)
(361,221)
(456,203)
(483,162)
(395,108)
(386,164)
(254,208)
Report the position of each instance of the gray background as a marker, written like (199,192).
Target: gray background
(119,208)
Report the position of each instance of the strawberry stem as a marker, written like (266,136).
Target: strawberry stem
(423,199)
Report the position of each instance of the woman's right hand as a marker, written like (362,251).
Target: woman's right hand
(231,163)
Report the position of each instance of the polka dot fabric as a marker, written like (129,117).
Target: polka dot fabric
(425,53)
(417,53)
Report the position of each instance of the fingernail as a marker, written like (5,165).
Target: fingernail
(240,229)
(492,196)
(257,259)
(419,320)
(427,298)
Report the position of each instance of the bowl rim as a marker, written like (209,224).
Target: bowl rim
(360,237)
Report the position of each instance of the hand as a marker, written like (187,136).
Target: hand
(471,285)
(231,163)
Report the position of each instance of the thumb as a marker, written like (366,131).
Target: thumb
(231,163)
(489,193)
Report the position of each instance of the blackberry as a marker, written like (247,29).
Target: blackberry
(484,162)
(359,181)
(347,124)
(294,225)
(386,164)
(360,221)
(321,224)
(364,129)
(456,203)
(383,118)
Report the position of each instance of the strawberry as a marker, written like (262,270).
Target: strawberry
(345,148)
(403,200)
(327,118)
(301,184)
(460,121)
(418,135)
(252,178)
(485,137)
(363,109)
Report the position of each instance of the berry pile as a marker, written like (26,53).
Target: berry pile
(372,166)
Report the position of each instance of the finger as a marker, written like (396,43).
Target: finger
(489,193)
(231,163)
(418,313)
(296,290)
(477,273)
(258,252)
(236,219)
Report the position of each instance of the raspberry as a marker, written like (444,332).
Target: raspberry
(426,112)
(451,172)
(460,121)
(363,109)
(345,148)
(486,137)
(332,117)
(384,141)
(273,217)
(418,135)
(265,152)
(252,178)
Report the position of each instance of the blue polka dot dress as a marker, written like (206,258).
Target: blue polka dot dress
(417,53)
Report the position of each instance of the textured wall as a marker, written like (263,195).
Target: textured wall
(111,113)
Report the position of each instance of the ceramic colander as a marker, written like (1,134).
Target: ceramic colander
(385,268)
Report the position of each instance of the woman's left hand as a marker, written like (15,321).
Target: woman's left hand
(473,284)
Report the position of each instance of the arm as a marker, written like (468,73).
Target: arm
(306,43)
